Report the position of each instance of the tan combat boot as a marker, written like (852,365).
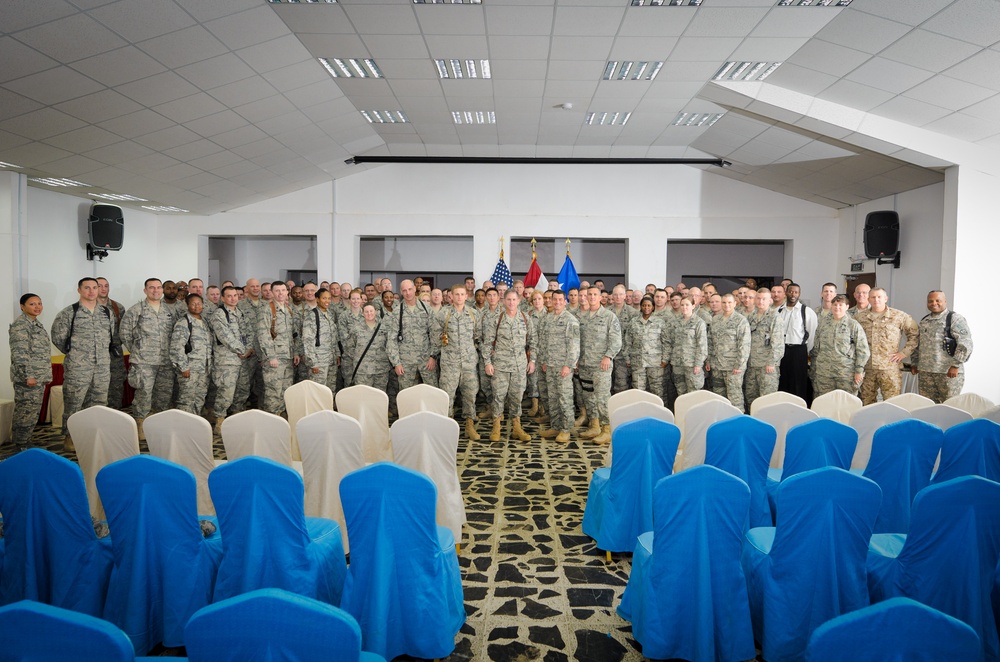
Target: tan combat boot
(548,433)
(534,408)
(581,419)
(68,444)
(470,430)
(495,432)
(138,425)
(562,437)
(218,424)
(519,432)
(593,430)
(605,436)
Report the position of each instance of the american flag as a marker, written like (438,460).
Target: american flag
(502,274)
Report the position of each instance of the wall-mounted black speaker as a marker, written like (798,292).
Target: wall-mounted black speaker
(881,234)
(106,227)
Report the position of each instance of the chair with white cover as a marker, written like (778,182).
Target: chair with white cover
(637,410)
(910,401)
(992,414)
(699,418)
(776,398)
(421,397)
(685,402)
(102,436)
(837,405)
(943,416)
(330,443)
(258,433)
(369,407)
(306,397)
(184,439)
(631,396)
(973,403)
(428,443)
(783,416)
(866,421)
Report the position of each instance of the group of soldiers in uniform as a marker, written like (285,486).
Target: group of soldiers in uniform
(217,352)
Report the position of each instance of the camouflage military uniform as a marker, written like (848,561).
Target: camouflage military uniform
(600,336)
(536,380)
(933,361)
(347,323)
(559,348)
(767,346)
(320,346)
(688,349)
(621,374)
(669,390)
(459,359)
(884,331)
(30,358)
(116,387)
(299,312)
(486,318)
(146,335)
(248,326)
(839,352)
(371,367)
(649,344)
(197,361)
(728,350)
(411,346)
(230,373)
(281,347)
(504,343)
(87,366)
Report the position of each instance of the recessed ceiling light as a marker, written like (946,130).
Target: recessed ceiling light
(122,197)
(631,70)
(385,116)
(164,208)
(816,3)
(463,68)
(607,119)
(474,117)
(745,71)
(666,3)
(4,164)
(696,119)
(56,181)
(351,67)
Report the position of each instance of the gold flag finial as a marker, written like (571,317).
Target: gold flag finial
(568,242)
(533,254)
(501,247)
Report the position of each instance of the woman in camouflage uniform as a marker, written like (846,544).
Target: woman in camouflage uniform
(30,367)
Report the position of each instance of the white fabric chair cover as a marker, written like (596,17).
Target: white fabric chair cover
(910,401)
(421,397)
(837,405)
(631,396)
(331,448)
(184,439)
(992,414)
(428,443)
(783,416)
(256,432)
(683,404)
(101,436)
(692,449)
(301,400)
(943,416)
(369,407)
(776,398)
(973,403)
(640,409)
(868,419)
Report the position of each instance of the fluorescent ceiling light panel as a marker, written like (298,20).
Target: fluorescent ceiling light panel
(745,71)
(56,181)
(385,116)
(351,67)
(474,117)
(4,164)
(121,197)
(666,3)
(696,119)
(164,208)
(607,118)
(468,68)
(632,70)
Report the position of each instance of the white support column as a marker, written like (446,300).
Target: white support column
(13,245)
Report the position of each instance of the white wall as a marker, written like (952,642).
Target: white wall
(415,254)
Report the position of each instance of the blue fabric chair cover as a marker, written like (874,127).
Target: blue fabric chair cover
(813,445)
(267,541)
(949,559)
(897,629)
(52,554)
(164,567)
(404,586)
(743,447)
(903,455)
(620,498)
(687,596)
(35,632)
(811,567)
(271,624)
(970,449)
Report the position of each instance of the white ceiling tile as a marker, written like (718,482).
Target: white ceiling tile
(54,85)
(119,152)
(783,138)
(578,48)
(767,49)
(589,70)
(642,48)
(888,75)
(83,139)
(688,71)
(136,20)
(949,92)
(504,47)
(457,46)
(243,91)
(855,95)
(216,71)
(794,21)
(862,32)
(911,12)
(724,22)
(40,124)
(184,46)
(572,88)
(9,140)
(88,37)
(119,66)
(295,76)
(310,95)
(466,20)
(190,108)
(75,166)
(518,104)
(337,45)
(982,68)
(33,154)
(799,79)
(689,49)
(193,150)
(323,18)
(158,89)
(588,21)
(827,57)
(403,47)
(384,19)
(15,16)
(415,88)
(911,111)
(988,109)
(99,106)
(20,60)
(665,89)
(137,124)
(524,20)
(166,138)
(248,27)
(929,51)
(656,21)
(274,54)
(264,109)
(964,127)
(211,125)
(976,21)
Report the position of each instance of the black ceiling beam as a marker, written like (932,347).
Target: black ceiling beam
(519,160)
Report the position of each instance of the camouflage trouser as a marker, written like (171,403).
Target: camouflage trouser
(938,386)
(669,389)
(543,388)
(276,381)
(116,386)
(327,376)
(84,386)
(620,373)
(255,396)
(686,381)
(232,386)
(454,377)
(417,374)
(728,385)
(303,372)
(560,402)
(597,400)
(191,391)
(579,396)
(759,383)
(708,380)
(532,388)
(831,381)
(485,385)
(379,380)
(648,379)
(154,385)
(211,393)
(27,407)
(889,381)
(345,372)
(508,387)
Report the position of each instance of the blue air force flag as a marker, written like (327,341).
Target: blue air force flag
(568,278)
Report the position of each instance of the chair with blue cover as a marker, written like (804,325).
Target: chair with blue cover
(897,629)
(620,499)
(687,596)
(267,541)
(272,624)
(185,439)
(37,632)
(52,554)
(902,459)
(868,419)
(949,559)
(699,418)
(811,566)
(165,568)
(970,449)
(404,586)
(743,446)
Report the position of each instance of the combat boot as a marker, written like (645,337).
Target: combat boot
(592,431)
(470,430)
(534,408)
(548,433)
(138,426)
(495,432)
(218,424)
(562,437)
(519,432)
(68,444)
(581,419)
(605,436)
